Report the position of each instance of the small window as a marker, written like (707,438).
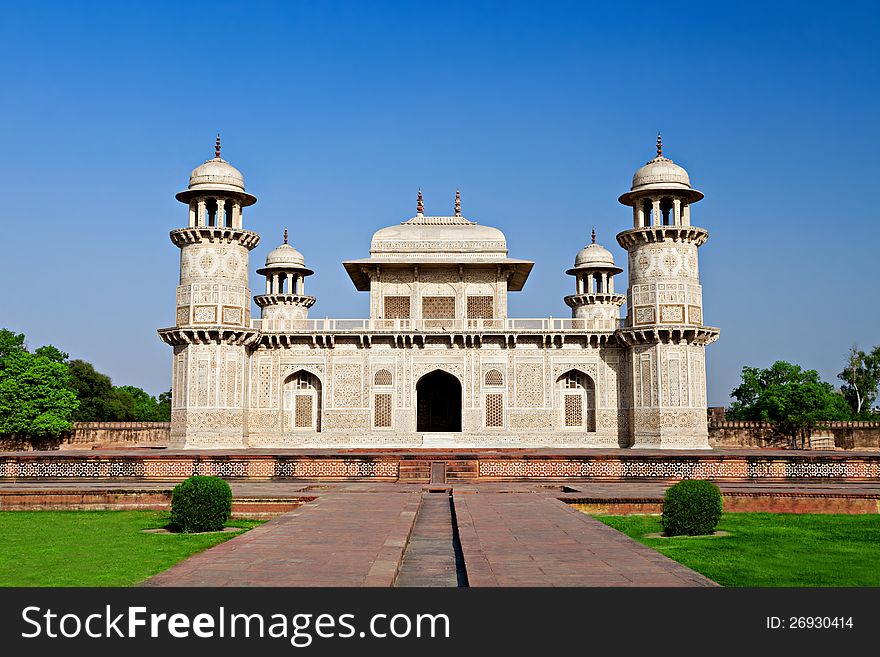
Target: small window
(494,378)
(382,378)
(495,410)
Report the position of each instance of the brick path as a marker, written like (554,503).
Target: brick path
(338,540)
(524,539)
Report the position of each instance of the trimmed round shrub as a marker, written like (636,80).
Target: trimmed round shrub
(201,504)
(691,508)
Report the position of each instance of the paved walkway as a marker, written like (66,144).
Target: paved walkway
(338,540)
(524,539)
(357,537)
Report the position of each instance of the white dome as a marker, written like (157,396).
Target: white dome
(216,174)
(285,255)
(440,237)
(594,255)
(663,172)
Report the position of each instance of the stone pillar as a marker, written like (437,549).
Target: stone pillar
(301,284)
(687,215)
(290,288)
(192,215)
(201,219)
(236,214)
(268,284)
(676,208)
(655,203)
(604,282)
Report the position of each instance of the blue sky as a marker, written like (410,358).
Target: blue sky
(336,112)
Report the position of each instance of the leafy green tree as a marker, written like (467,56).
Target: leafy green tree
(861,376)
(140,405)
(164,406)
(35,399)
(793,400)
(99,402)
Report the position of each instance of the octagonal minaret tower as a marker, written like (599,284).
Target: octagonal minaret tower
(664,327)
(594,271)
(212,310)
(285,305)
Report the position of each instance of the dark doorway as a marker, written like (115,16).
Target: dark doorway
(439,402)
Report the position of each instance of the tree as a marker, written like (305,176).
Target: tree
(793,400)
(861,375)
(35,399)
(99,402)
(140,405)
(165,406)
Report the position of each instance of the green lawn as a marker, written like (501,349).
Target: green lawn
(773,549)
(92,548)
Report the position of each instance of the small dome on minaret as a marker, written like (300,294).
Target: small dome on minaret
(661,173)
(594,297)
(593,256)
(216,175)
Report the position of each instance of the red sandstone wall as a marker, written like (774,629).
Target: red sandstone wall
(847,435)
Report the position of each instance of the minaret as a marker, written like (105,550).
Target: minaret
(285,305)
(664,327)
(213,324)
(594,297)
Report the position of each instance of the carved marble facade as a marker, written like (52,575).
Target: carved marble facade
(439,362)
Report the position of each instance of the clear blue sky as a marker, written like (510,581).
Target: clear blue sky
(539,112)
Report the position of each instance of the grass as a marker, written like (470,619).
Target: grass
(93,548)
(773,549)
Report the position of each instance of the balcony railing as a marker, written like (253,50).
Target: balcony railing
(330,325)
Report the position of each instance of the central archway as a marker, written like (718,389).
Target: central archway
(438,396)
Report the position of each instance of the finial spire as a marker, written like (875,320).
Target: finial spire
(659,145)
(420,206)
(594,235)
(285,236)
(217,147)
(457,203)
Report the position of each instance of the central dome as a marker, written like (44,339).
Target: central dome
(441,237)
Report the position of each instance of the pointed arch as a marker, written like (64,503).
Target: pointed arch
(576,395)
(439,402)
(302,401)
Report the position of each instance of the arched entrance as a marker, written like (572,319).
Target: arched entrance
(438,407)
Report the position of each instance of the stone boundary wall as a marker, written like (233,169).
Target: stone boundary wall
(839,435)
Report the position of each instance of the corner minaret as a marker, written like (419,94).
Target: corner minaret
(212,326)
(664,327)
(595,300)
(285,305)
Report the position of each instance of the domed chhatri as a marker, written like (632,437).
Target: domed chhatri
(593,256)
(216,175)
(661,173)
(285,298)
(594,297)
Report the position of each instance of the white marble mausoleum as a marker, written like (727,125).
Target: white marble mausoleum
(439,363)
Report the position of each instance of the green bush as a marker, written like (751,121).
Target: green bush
(200,504)
(691,508)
